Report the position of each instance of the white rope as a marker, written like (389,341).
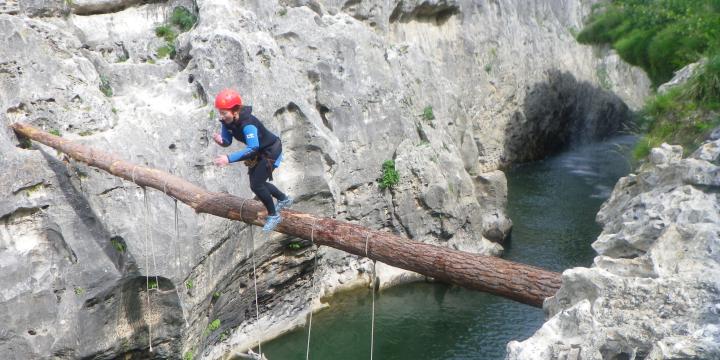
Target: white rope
(257,307)
(372,284)
(147,264)
(177,261)
(241,210)
(312,289)
(133,173)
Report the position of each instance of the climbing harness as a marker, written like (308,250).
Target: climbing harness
(312,288)
(372,284)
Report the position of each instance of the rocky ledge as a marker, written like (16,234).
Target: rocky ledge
(654,289)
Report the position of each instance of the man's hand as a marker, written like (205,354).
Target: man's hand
(218,139)
(221,160)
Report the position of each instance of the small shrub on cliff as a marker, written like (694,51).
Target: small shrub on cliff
(390,176)
(428,114)
(183,18)
(165,32)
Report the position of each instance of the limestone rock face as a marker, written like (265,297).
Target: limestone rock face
(449,90)
(654,289)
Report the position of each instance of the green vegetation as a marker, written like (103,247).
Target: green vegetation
(166,50)
(181,21)
(35,188)
(216,295)
(105,86)
(390,176)
(294,245)
(428,113)
(224,335)
(118,245)
(214,325)
(24,142)
(79,291)
(86,133)
(183,18)
(190,355)
(679,116)
(55,132)
(189,284)
(152,284)
(166,32)
(662,36)
(283,12)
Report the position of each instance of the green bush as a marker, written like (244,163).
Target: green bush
(704,86)
(183,18)
(390,176)
(680,116)
(166,32)
(166,50)
(661,36)
(428,113)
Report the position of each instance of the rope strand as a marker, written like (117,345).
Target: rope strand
(147,263)
(372,284)
(312,288)
(257,307)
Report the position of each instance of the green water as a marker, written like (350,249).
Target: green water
(553,205)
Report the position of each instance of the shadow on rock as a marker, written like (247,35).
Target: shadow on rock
(562,113)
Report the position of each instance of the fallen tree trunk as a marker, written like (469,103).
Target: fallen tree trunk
(519,282)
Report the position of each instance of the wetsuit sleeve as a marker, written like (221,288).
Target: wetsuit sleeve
(226,136)
(251,139)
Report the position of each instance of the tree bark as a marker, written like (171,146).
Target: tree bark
(523,283)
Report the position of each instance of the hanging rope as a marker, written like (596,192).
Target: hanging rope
(177,251)
(147,262)
(312,288)
(257,307)
(372,284)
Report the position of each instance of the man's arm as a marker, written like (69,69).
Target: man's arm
(253,145)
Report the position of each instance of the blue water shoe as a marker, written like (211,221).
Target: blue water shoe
(284,204)
(271,222)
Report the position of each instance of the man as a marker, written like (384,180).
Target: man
(262,153)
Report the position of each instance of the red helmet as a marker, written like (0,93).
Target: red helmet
(227,99)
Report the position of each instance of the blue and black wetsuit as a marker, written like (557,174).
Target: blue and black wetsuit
(262,145)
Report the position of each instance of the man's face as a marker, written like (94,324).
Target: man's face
(227,116)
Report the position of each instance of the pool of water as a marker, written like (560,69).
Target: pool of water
(552,203)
